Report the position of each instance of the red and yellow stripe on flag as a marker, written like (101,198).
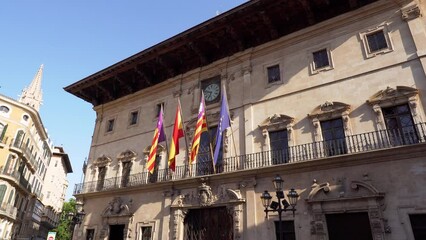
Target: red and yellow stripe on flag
(159,136)
(199,129)
(177,133)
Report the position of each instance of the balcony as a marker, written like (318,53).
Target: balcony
(18,179)
(359,143)
(8,210)
(25,153)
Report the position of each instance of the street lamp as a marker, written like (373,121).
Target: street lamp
(77,216)
(280,206)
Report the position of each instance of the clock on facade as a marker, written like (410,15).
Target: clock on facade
(211,89)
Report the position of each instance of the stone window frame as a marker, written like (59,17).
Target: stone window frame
(125,156)
(360,196)
(108,122)
(278,122)
(312,67)
(140,225)
(363,37)
(328,111)
(392,97)
(266,77)
(138,113)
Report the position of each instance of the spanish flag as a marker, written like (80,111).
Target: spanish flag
(177,133)
(199,129)
(159,136)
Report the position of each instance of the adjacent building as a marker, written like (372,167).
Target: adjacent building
(329,95)
(25,154)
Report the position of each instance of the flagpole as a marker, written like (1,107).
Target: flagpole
(184,135)
(232,130)
(167,146)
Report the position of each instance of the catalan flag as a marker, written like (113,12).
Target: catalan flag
(177,133)
(159,136)
(199,129)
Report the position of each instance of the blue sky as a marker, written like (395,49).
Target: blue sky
(76,38)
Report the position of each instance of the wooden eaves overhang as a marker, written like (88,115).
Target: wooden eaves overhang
(248,25)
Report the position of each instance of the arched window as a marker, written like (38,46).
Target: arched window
(2,192)
(3,129)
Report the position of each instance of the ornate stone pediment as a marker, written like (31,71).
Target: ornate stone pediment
(117,207)
(393,96)
(329,110)
(276,122)
(205,197)
(127,156)
(102,161)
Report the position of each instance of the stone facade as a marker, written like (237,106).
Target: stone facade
(367,172)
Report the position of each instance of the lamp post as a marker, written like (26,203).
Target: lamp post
(76,217)
(282,205)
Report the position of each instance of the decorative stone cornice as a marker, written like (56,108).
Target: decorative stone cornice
(329,110)
(127,156)
(102,161)
(391,96)
(410,12)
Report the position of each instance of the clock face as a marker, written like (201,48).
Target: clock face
(211,92)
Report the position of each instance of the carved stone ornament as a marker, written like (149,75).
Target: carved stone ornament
(393,96)
(102,161)
(410,12)
(117,208)
(329,110)
(205,197)
(340,197)
(127,156)
(276,122)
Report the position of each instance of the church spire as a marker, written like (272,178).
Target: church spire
(32,95)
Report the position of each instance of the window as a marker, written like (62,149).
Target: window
(11,195)
(418,225)
(10,163)
(158,109)
(133,118)
(3,129)
(349,226)
(376,41)
(110,125)
(400,125)
(204,158)
(18,139)
(287,230)
(4,109)
(146,233)
(127,166)
(2,192)
(278,141)
(334,137)
(25,118)
(101,178)
(321,59)
(273,73)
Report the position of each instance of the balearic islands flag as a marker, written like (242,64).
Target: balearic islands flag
(177,133)
(159,136)
(199,129)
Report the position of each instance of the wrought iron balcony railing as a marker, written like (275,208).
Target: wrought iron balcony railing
(17,177)
(358,143)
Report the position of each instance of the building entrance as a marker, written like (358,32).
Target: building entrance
(116,232)
(208,224)
(349,226)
